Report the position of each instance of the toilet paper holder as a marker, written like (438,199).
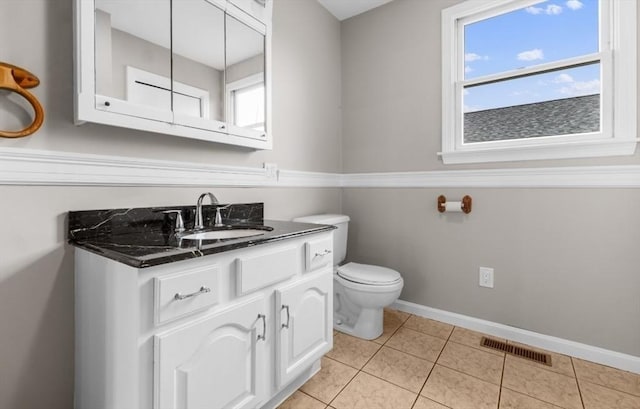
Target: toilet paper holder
(465,204)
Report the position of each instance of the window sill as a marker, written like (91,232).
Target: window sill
(569,150)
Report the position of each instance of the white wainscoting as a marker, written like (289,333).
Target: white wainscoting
(19,166)
(562,346)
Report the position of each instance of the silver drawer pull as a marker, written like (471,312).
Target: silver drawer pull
(286,307)
(202,290)
(324,253)
(264,327)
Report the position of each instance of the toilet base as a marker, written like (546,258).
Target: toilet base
(369,324)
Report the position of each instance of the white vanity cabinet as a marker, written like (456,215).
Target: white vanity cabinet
(239,329)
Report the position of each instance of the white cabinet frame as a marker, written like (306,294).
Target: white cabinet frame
(91,107)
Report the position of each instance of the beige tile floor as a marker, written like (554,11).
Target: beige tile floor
(419,363)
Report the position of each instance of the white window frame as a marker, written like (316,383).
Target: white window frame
(243,83)
(617,57)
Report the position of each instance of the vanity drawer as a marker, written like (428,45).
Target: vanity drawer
(263,269)
(185,292)
(318,253)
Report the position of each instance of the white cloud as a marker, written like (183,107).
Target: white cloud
(531,55)
(563,78)
(475,57)
(467,69)
(574,4)
(534,10)
(579,88)
(551,9)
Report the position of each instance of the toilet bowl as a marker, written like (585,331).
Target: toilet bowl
(361,291)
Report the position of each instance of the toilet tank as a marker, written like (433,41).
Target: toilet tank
(341,221)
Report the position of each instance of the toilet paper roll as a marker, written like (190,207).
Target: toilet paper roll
(453,207)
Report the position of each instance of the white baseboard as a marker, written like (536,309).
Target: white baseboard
(562,346)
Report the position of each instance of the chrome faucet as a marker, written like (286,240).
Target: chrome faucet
(199,225)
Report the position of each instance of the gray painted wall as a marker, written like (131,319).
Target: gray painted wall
(36,265)
(306,91)
(391,75)
(565,260)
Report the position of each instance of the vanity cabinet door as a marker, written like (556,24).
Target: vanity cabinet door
(214,362)
(304,327)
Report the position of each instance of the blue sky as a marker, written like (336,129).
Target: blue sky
(545,32)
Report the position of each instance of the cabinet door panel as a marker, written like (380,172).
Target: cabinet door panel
(305,331)
(215,362)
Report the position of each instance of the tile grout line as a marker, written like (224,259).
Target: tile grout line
(312,397)
(575,374)
(345,385)
(542,367)
(358,369)
(555,405)
(453,327)
(504,365)
(419,332)
(379,349)
(430,370)
(602,384)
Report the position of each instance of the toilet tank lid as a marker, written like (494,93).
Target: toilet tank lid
(323,219)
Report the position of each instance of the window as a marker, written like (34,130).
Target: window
(245,101)
(527,79)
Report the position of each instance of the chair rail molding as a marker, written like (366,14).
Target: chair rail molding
(21,166)
(621,176)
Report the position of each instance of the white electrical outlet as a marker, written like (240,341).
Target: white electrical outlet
(486,277)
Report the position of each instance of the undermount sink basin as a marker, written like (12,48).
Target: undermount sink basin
(223,234)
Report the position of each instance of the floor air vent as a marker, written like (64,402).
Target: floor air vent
(522,352)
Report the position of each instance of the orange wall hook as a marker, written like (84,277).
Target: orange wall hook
(17,80)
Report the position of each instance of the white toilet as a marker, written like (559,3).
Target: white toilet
(361,291)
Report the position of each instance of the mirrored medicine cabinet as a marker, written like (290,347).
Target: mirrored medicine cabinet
(191,68)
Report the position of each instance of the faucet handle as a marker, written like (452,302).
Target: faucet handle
(179,221)
(218,219)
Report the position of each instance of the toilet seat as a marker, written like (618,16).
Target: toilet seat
(368,274)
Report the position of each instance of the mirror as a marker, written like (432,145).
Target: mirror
(245,77)
(133,57)
(180,67)
(198,33)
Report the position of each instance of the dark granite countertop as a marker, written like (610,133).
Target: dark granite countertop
(144,237)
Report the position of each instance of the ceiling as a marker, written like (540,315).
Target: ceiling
(343,9)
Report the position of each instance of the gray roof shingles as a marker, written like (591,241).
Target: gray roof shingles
(556,117)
